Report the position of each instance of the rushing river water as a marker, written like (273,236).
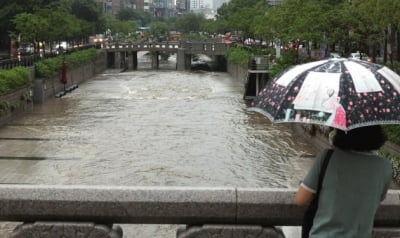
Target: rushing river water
(152,128)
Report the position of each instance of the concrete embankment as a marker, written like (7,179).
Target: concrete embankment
(19,101)
(44,89)
(14,104)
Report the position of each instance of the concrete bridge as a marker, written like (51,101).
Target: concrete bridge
(91,211)
(124,55)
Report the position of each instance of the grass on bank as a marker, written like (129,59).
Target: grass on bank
(12,79)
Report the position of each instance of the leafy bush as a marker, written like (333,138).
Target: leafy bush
(395,66)
(393,133)
(194,37)
(12,79)
(48,68)
(287,59)
(238,55)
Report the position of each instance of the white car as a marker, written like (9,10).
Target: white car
(360,56)
(332,55)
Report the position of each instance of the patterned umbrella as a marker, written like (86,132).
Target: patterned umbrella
(340,93)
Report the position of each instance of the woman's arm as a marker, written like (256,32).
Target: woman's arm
(303,196)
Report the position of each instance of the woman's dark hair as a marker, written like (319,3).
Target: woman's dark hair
(361,139)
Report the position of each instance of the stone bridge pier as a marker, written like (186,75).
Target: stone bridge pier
(132,60)
(129,60)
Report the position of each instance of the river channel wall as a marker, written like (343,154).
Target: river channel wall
(17,102)
(316,136)
(44,89)
(13,104)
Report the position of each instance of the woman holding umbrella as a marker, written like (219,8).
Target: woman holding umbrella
(355,182)
(354,97)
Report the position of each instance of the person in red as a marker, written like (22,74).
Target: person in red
(64,73)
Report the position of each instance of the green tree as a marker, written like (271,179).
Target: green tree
(71,29)
(190,22)
(120,28)
(10,8)
(159,29)
(390,18)
(31,27)
(89,11)
(126,14)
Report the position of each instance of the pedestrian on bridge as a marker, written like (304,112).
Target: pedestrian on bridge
(356,180)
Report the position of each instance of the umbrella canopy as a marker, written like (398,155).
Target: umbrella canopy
(340,93)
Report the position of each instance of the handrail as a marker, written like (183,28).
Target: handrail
(164,205)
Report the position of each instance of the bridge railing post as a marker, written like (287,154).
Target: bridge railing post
(66,229)
(229,231)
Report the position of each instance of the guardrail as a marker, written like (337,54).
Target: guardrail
(29,60)
(162,205)
(144,46)
(190,47)
(21,61)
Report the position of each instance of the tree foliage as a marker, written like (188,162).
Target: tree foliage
(49,20)
(129,14)
(159,29)
(190,22)
(350,25)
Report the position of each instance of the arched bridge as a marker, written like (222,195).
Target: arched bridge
(124,55)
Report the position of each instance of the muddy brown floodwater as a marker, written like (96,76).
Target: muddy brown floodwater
(151,128)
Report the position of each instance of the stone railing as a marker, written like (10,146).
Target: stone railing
(64,211)
(195,47)
(143,46)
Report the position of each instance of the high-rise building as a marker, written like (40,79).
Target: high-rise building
(196,4)
(164,8)
(139,5)
(148,6)
(182,6)
(111,7)
(135,4)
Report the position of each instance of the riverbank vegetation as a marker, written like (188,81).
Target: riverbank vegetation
(51,67)
(12,79)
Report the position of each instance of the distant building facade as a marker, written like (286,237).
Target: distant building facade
(182,6)
(110,7)
(164,8)
(196,5)
(148,6)
(136,4)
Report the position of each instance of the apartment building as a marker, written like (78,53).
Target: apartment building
(111,7)
(182,6)
(148,6)
(164,8)
(196,5)
(134,4)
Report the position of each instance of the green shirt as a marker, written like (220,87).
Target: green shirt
(354,185)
